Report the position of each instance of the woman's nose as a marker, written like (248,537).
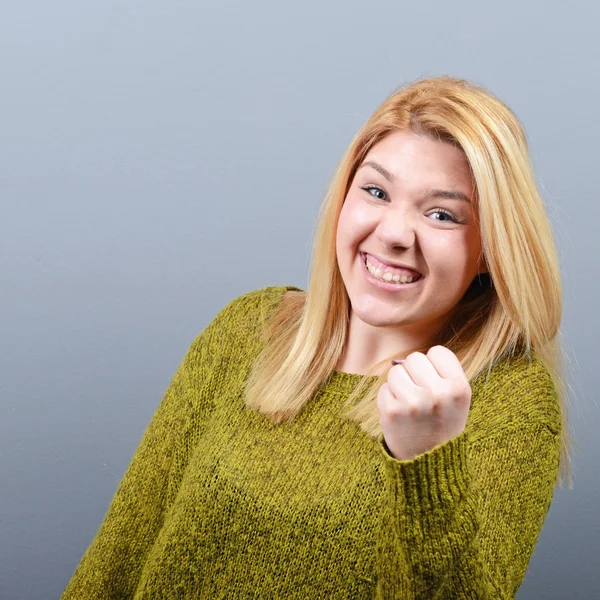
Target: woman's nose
(396,228)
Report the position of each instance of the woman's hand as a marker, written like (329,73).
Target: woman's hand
(424,403)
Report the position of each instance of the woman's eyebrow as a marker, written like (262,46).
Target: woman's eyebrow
(448,194)
(379,169)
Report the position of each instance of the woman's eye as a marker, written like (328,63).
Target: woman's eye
(375,191)
(444,216)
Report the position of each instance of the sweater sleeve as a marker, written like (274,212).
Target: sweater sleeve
(111,566)
(462,520)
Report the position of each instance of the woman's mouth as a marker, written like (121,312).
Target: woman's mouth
(389,278)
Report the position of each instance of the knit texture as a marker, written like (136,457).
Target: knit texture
(220,503)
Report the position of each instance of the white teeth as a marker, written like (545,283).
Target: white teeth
(379,274)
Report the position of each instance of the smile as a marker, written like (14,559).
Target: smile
(390,278)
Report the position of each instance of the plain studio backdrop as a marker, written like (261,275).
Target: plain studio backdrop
(158,159)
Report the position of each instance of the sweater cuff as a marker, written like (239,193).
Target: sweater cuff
(439,477)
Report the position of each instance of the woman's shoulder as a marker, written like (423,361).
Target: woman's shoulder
(233,335)
(254,307)
(518,390)
(242,318)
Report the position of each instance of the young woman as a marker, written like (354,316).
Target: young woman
(290,458)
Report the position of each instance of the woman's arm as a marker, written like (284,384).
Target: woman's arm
(462,520)
(112,564)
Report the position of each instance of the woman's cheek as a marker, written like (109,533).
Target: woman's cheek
(446,254)
(448,245)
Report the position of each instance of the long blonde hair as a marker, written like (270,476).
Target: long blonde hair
(306,336)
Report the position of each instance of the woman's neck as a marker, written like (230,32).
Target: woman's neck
(366,344)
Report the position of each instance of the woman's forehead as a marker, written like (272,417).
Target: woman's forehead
(410,160)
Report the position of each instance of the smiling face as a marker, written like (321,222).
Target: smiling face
(411,203)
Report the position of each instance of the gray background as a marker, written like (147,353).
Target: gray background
(158,159)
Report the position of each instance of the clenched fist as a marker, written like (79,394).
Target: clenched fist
(424,403)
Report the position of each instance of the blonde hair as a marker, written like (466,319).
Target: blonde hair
(305,338)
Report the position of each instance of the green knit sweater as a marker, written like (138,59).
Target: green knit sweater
(220,503)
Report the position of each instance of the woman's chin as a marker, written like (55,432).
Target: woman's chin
(377,314)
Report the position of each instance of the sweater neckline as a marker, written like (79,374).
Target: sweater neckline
(343,382)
